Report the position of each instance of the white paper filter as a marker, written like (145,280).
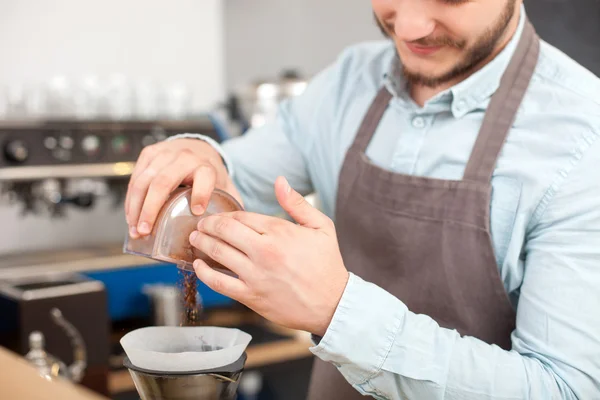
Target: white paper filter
(184,349)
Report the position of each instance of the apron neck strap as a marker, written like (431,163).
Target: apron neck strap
(371,120)
(499,116)
(503,108)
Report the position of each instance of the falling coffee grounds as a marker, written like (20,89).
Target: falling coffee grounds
(191,307)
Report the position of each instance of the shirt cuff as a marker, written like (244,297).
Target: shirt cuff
(362,331)
(213,143)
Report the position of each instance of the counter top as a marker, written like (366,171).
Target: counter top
(19,380)
(75,260)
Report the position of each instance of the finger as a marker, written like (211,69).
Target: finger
(257,222)
(204,183)
(221,283)
(146,156)
(221,252)
(161,188)
(231,231)
(297,206)
(140,189)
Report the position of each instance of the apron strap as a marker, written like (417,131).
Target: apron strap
(371,120)
(503,108)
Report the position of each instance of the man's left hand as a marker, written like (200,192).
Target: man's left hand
(291,274)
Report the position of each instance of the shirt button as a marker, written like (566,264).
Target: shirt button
(418,122)
(460,106)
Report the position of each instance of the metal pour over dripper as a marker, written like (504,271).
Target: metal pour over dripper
(169,239)
(180,363)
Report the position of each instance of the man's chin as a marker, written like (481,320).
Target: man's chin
(424,77)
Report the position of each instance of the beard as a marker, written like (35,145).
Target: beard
(473,55)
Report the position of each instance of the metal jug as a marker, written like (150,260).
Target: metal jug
(51,367)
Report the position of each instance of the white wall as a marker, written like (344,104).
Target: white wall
(164,41)
(180,39)
(264,36)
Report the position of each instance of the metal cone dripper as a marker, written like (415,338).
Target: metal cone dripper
(219,383)
(181,363)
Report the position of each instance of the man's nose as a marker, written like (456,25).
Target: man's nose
(412,21)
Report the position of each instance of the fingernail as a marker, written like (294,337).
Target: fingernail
(193,236)
(198,210)
(201,224)
(133,231)
(288,188)
(196,264)
(144,228)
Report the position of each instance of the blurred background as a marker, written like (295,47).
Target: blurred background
(84,86)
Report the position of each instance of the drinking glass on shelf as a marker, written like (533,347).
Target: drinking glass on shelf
(148,100)
(35,102)
(120,97)
(59,94)
(15,99)
(3,103)
(88,98)
(178,101)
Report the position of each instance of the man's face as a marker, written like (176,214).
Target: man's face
(439,41)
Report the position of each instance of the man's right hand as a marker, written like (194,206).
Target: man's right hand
(161,168)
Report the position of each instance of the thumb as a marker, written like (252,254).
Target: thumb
(297,206)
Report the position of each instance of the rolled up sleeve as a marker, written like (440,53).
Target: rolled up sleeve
(386,351)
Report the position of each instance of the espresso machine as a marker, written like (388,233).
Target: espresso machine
(52,165)
(62,186)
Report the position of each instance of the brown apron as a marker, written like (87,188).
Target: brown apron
(427,241)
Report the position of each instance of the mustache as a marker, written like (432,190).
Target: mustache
(439,41)
(426,41)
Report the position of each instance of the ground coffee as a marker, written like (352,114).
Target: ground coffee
(192,308)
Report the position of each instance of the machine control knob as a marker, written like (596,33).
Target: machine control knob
(16,151)
(50,142)
(90,145)
(66,142)
(121,145)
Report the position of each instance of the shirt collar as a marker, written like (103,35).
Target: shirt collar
(468,94)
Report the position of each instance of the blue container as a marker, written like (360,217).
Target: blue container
(124,289)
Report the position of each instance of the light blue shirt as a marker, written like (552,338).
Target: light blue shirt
(545,222)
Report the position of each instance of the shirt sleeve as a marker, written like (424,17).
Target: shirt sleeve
(386,351)
(283,147)
(256,159)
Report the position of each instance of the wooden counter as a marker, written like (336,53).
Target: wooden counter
(20,380)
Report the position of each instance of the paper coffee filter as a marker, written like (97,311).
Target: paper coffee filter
(184,349)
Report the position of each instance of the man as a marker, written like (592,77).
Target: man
(459,161)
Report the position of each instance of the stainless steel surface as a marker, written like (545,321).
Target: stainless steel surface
(31,265)
(47,365)
(55,304)
(48,285)
(166,304)
(72,150)
(196,387)
(205,385)
(260,100)
(77,368)
(51,367)
(28,173)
